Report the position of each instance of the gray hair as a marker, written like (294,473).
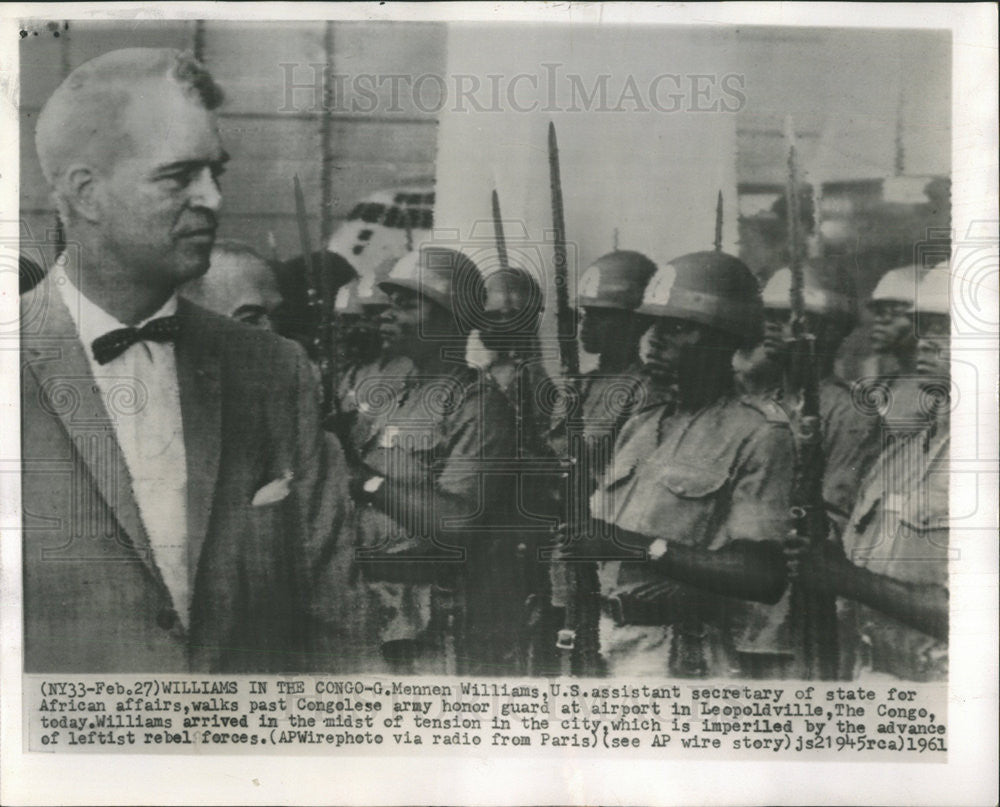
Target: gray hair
(82,117)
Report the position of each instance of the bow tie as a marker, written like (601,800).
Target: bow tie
(112,344)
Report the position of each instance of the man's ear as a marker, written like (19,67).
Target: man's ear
(80,190)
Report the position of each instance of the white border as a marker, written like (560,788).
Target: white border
(968,778)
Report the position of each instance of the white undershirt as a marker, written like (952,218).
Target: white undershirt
(140,393)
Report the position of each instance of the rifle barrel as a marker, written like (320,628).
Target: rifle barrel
(718,223)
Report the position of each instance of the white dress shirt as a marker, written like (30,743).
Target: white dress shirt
(140,393)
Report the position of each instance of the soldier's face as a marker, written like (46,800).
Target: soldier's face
(676,350)
(404,326)
(933,347)
(157,201)
(892,328)
(600,325)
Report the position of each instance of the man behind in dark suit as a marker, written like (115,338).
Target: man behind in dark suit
(180,499)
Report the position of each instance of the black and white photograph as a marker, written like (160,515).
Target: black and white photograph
(577,381)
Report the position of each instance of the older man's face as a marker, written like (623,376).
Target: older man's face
(240,286)
(159,198)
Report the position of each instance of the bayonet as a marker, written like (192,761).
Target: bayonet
(569,353)
(498,232)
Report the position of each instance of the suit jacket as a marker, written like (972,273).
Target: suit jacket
(94,599)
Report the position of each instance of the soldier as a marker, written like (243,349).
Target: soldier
(610,291)
(893,569)
(506,345)
(427,493)
(510,352)
(366,366)
(380,228)
(356,331)
(379,632)
(896,390)
(701,484)
(299,314)
(850,436)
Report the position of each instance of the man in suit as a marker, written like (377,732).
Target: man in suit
(180,500)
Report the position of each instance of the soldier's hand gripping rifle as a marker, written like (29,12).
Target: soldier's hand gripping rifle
(321,297)
(813,611)
(574,583)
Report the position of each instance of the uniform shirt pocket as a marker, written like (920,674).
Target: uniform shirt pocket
(686,503)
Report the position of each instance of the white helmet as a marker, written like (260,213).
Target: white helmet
(897,286)
(934,291)
(820,297)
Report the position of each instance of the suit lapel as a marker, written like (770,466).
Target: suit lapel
(199,382)
(54,355)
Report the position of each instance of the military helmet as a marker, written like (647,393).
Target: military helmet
(711,288)
(364,291)
(513,299)
(616,280)
(445,276)
(934,291)
(822,292)
(896,286)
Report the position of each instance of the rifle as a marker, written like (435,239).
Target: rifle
(569,352)
(575,583)
(321,299)
(718,223)
(814,616)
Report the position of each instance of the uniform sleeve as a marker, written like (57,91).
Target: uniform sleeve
(482,430)
(851,444)
(762,486)
(320,484)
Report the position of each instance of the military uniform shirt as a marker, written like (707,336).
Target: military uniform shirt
(899,529)
(704,479)
(851,442)
(440,436)
(370,390)
(607,400)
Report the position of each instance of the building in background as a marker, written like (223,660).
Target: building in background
(336,103)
